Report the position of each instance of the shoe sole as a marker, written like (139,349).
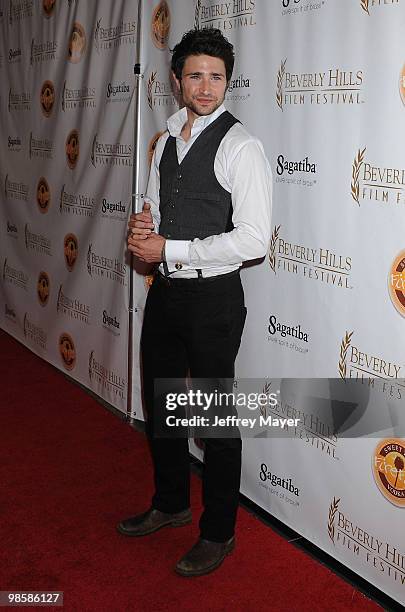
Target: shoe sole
(176,523)
(209,569)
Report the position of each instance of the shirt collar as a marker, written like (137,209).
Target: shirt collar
(176,122)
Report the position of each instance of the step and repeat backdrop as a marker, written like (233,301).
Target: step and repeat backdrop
(322,84)
(66,121)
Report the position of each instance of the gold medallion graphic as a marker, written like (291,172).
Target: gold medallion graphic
(402,85)
(77,43)
(48,7)
(396,283)
(161,25)
(43,195)
(389,470)
(43,288)
(72,148)
(71,250)
(67,351)
(152,146)
(47,98)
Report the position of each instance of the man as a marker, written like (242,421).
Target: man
(206,211)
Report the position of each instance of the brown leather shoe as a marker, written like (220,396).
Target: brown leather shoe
(152,520)
(204,557)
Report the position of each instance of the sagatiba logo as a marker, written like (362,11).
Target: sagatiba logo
(300,7)
(305,169)
(12,230)
(20,9)
(105,378)
(367,5)
(70,250)
(106,267)
(72,149)
(15,190)
(389,470)
(43,195)
(282,333)
(372,183)
(159,93)
(48,7)
(77,43)
(9,314)
(43,51)
(14,55)
(238,88)
(369,549)
(33,332)
(225,16)
(47,98)
(152,146)
(319,263)
(76,203)
(40,147)
(396,283)
(160,25)
(370,369)
(335,86)
(19,101)
(85,97)
(110,37)
(274,483)
(43,288)
(117,211)
(15,276)
(110,154)
(72,307)
(14,144)
(118,92)
(67,351)
(37,242)
(111,323)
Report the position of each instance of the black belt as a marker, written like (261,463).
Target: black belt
(178,282)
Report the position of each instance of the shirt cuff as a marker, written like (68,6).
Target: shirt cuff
(177,254)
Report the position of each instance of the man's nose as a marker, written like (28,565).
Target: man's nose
(205,85)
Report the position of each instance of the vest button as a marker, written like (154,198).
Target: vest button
(179,176)
(168,235)
(171,205)
(176,190)
(170,220)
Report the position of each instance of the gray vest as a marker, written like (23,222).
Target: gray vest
(193,204)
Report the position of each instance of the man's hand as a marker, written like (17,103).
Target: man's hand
(141,224)
(149,250)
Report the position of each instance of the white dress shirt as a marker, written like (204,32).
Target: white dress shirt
(241,168)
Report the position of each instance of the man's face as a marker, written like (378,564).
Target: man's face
(203,84)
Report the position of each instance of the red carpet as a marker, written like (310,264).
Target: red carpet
(70,470)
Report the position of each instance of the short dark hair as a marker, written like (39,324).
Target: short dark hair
(209,41)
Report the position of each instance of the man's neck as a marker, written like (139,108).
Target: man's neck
(187,127)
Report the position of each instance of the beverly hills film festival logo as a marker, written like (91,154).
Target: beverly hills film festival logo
(110,153)
(72,149)
(396,283)
(72,307)
(106,267)
(375,183)
(77,43)
(160,92)
(19,101)
(15,276)
(160,25)
(333,87)
(37,242)
(20,9)
(70,250)
(369,5)
(370,369)
(313,263)
(389,470)
(43,51)
(105,379)
(34,333)
(43,288)
(82,97)
(370,550)
(43,195)
(16,190)
(81,204)
(67,351)
(225,16)
(113,36)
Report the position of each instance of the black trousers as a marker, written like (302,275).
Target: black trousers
(193,326)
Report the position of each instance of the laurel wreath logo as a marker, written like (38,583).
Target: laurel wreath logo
(333,508)
(266,390)
(364,6)
(343,352)
(280,75)
(197,15)
(355,184)
(272,252)
(151,81)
